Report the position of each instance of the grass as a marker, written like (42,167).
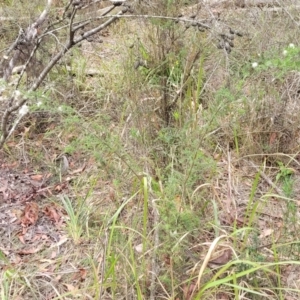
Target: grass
(183,173)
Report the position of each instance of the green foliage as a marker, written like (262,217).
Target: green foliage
(285,176)
(165,143)
(277,63)
(5,284)
(78,217)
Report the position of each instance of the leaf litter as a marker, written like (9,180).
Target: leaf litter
(32,228)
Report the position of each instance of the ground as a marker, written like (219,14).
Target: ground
(106,192)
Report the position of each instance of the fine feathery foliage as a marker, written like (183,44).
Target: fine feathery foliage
(149,150)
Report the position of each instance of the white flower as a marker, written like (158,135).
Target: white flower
(23,110)
(291,45)
(254,65)
(39,104)
(284,52)
(17,94)
(60,108)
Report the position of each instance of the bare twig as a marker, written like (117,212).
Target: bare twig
(29,39)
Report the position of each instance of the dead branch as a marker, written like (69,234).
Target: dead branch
(22,54)
(27,44)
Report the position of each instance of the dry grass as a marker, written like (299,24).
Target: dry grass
(195,200)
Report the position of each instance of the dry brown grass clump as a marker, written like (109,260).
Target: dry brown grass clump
(168,167)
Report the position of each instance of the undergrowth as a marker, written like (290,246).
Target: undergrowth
(179,186)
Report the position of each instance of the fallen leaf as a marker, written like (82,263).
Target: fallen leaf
(58,188)
(167,259)
(30,215)
(70,287)
(10,165)
(112,194)
(80,275)
(266,233)
(223,258)
(21,238)
(24,230)
(273,138)
(222,296)
(78,170)
(38,237)
(37,177)
(189,290)
(217,156)
(52,212)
